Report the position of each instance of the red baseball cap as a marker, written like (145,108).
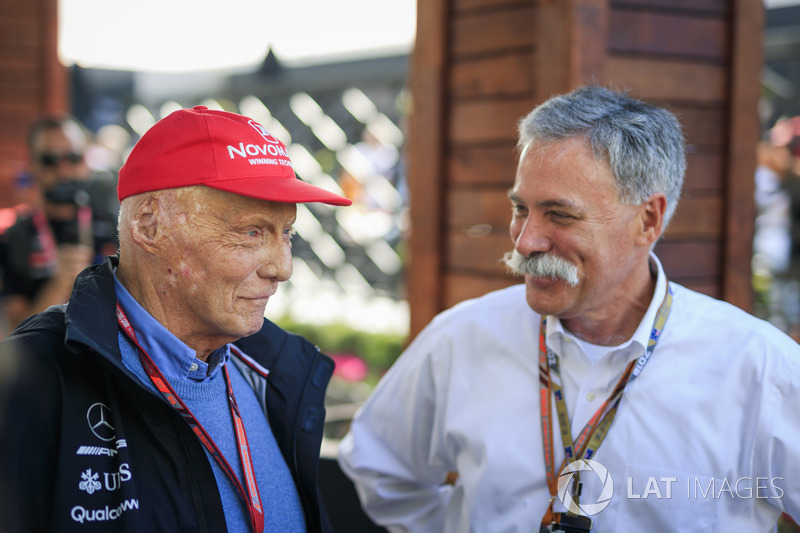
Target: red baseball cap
(218,149)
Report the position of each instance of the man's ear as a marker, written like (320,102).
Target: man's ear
(145,227)
(652,217)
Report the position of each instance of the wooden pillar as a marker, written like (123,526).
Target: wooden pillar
(425,159)
(32,80)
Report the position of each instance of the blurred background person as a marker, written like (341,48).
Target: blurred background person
(776,269)
(64,220)
(772,239)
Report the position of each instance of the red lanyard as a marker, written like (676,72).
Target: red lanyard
(594,432)
(249,494)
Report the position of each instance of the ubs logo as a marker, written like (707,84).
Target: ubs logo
(90,481)
(99,418)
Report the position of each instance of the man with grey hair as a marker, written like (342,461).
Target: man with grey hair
(159,398)
(597,395)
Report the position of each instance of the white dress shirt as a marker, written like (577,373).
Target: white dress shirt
(706,439)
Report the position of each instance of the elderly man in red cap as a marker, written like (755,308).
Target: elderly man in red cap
(159,398)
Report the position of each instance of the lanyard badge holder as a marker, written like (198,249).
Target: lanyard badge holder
(593,434)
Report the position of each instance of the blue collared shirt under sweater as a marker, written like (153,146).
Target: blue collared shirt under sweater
(201,386)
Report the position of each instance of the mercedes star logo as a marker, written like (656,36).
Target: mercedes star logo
(98,417)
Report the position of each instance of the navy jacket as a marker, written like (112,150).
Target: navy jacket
(84,445)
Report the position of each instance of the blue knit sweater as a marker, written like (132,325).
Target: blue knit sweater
(208,402)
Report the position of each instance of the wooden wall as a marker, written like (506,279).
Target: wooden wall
(32,81)
(481,65)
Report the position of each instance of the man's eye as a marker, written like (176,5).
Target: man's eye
(558,215)
(518,209)
(254,233)
(290,232)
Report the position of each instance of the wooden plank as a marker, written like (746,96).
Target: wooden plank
(642,32)
(32,80)
(18,71)
(17,118)
(478,210)
(459,6)
(720,7)
(571,47)
(510,74)
(589,38)
(19,55)
(667,79)
(460,286)
(486,120)
(12,166)
(748,19)
(18,104)
(9,170)
(20,8)
(23,94)
(478,254)
(426,163)
(6,193)
(553,49)
(19,33)
(54,74)
(493,165)
(697,217)
(493,31)
(690,258)
(704,172)
(15,152)
(703,127)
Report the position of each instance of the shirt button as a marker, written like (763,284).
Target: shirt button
(590,396)
(193,367)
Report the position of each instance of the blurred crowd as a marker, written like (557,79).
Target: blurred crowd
(63,218)
(776,243)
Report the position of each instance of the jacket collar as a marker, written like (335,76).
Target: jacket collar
(91,317)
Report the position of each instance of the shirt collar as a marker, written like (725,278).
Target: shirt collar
(171,355)
(556,332)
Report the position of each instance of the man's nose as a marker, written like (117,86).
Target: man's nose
(277,263)
(530,237)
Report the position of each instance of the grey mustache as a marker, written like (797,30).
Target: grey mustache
(541,265)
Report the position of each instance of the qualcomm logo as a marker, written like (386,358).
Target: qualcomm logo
(565,479)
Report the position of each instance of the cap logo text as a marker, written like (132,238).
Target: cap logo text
(247,150)
(263,132)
